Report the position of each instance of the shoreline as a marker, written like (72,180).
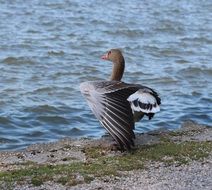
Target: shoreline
(180,159)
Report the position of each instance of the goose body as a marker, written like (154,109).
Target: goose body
(118,105)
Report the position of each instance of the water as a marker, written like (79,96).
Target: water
(48,47)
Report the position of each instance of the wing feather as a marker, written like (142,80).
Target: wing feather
(145,100)
(112,109)
(116,104)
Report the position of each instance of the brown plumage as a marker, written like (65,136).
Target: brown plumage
(118,105)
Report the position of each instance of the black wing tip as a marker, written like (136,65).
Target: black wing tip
(125,145)
(125,141)
(156,95)
(150,115)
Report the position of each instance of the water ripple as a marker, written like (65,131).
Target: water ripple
(18,60)
(48,47)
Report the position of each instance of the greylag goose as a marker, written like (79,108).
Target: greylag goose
(118,105)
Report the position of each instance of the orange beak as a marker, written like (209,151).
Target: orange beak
(105,57)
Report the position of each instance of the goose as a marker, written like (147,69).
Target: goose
(118,105)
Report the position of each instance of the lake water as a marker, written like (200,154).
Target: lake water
(48,47)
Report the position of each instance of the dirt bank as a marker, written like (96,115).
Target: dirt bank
(161,160)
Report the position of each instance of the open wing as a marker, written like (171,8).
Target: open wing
(117,105)
(108,101)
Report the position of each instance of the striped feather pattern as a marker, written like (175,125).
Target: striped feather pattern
(112,103)
(144,100)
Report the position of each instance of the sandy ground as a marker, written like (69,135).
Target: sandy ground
(156,175)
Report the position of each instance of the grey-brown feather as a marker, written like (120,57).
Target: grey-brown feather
(108,101)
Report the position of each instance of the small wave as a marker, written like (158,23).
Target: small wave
(196,93)
(182,61)
(44,89)
(165,80)
(32,134)
(10,60)
(99,22)
(206,100)
(6,140)
(53,119)
(151,48)
(4,120)
(42,109)
(196,116)
(126,32)
(194,71)
(65,73)
(197,39)
(170,52)
(18,60)
(56,53)
(75,131)
(170,27)
(33,31)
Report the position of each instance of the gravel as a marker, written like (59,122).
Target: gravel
(195,175)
